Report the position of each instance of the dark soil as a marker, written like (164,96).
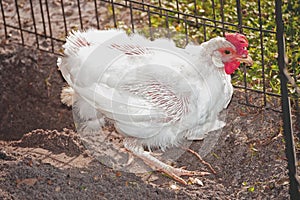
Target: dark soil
(30,88)
(42,157)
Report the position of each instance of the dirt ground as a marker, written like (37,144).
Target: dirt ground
(42,157)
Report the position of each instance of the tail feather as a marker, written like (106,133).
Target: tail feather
(67,96)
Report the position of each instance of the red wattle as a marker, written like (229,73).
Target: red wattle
(231,67)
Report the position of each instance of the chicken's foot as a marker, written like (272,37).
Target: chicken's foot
(156,164)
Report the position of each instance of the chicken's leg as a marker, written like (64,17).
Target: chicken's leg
(156,164)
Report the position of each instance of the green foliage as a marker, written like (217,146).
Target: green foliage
(260,28)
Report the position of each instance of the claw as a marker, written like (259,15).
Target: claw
(156,164)
(175,173)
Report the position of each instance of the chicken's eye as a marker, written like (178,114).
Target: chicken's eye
(227,52)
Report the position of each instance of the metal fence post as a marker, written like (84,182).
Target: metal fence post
(286,115)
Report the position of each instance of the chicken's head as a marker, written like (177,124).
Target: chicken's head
(233,56)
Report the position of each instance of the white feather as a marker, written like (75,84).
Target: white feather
(152,90)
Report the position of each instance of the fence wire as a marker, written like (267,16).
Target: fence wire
(45,24)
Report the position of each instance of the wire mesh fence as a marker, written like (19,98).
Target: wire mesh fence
(44,24)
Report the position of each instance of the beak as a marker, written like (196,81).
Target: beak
(247,60)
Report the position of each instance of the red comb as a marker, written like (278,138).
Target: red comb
(239,41)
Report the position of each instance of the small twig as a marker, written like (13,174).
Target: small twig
(291,80)
(202,161)
(47,81)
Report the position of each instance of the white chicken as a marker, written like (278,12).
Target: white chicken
(156,94)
